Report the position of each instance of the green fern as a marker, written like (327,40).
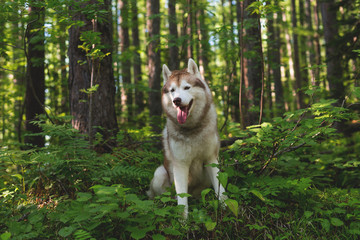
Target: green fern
(82,235)
(130,172)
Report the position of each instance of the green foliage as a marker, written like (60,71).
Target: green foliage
(295,177)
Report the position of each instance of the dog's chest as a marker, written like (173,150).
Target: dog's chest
(198,148)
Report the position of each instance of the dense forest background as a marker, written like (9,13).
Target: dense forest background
(81,117)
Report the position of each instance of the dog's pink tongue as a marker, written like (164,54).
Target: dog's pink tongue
(182,115)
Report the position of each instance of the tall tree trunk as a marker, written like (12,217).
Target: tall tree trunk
(333,55)
(126,56)
(173,47)
(310,44)
(271,51)
(317,43)
(189,30)
(200,53)
(226,74)
(204,44)
(153,26)
(19,75)
(253,63)
(235,114)
(97,110)
(243,103)
(276,59)
(303,50)
(289,67)
(63,72)
(35,76)
(296,57)
(139,95)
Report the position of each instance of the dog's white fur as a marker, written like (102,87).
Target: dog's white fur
(189,145)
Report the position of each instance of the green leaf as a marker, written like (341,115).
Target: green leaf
(336,222)
(161,212)
(35,217)
(172,231)
(5,236)
(204,193)
(356,92)
(82,234)
(258,194)
(210,226)
(83,197)
(18,176)
(123,215)
(103,190)
(165,199)
(66,231)
(232,188)
(223,178)
(182,195)
(158,237)
(233,206)
(308,214)
(355,228)
(325,224)
(139,233)
(275,215)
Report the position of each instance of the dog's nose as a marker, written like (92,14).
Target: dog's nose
(177,101)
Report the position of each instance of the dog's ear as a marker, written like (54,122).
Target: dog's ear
(166,73)
(192,67)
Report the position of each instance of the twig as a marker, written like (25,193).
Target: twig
(15,71)
(13,46)
(285,150)
(290,149)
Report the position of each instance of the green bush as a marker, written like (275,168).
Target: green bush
(295,178)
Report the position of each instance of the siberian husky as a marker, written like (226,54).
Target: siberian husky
(190,138)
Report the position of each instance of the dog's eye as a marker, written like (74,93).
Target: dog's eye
(172,90)
(187,88)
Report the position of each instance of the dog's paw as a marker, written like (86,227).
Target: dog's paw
(222,200)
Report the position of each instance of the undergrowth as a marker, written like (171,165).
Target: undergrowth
(295,177)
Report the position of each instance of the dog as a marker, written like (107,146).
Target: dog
(190,138)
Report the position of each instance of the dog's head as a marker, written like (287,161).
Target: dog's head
(184,92)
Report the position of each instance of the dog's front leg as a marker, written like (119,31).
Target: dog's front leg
(181,179)
(213,173)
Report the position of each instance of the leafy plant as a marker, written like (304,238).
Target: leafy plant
(285,179)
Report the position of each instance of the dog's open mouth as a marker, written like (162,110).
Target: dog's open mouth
(183,112)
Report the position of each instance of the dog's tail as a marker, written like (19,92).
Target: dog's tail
(159,183)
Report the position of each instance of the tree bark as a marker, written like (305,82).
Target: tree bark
(303,50)
(243,103)
(126,56)
(296,57)
(252,64)
(35,76)
(18,31)
(96,115)
(173,47)
(189,30)
(139,95)
(64,108)
(333,55)
(311,45)
(153,26)
(317,43)
(289,67)
(235,114)
(276,57)
(205,49)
